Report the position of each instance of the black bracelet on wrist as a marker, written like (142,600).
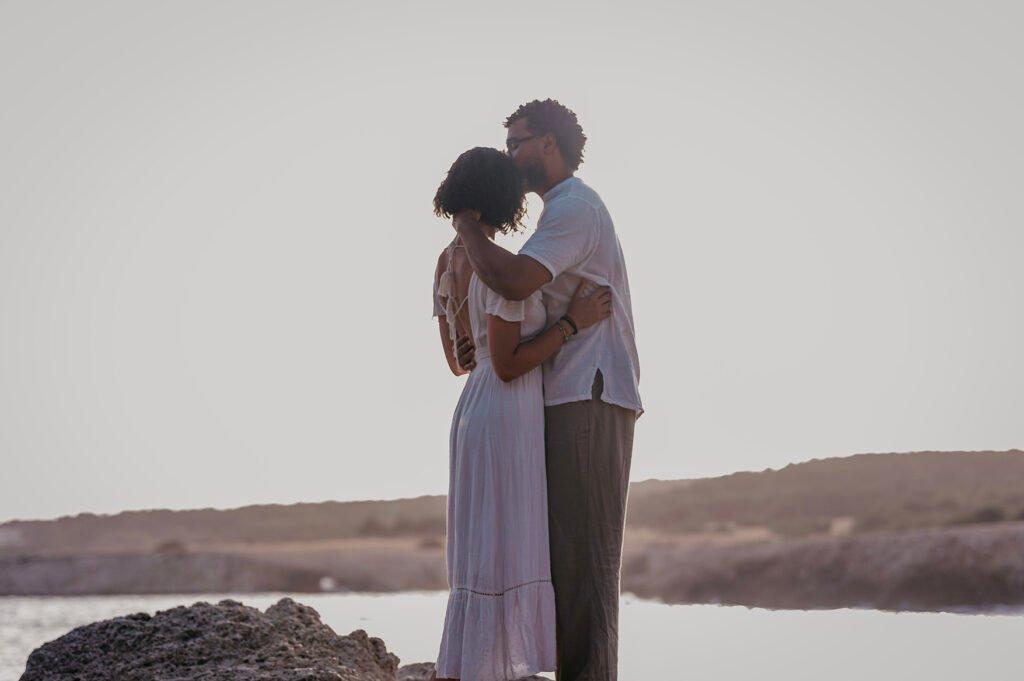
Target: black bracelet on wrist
(575,329)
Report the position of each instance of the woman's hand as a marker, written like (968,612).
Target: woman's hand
(466,219)
(589,310)
(466,353)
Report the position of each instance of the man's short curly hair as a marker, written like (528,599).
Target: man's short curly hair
(547,116)
(486,180)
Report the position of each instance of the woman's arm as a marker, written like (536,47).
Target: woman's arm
(449,351)
(511,357)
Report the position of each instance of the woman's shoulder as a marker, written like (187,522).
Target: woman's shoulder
(442,264)
(444,257)
(448,259)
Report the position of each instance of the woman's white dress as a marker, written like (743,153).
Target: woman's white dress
(500,622)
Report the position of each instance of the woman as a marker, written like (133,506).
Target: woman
(500,621)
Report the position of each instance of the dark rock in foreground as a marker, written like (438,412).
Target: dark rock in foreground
(228,641)
(420,671)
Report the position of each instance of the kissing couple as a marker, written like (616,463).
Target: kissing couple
(542,437)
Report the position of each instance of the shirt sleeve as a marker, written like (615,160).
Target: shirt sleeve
(509,310)
(565,236)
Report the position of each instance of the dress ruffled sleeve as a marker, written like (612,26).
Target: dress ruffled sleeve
(509,310)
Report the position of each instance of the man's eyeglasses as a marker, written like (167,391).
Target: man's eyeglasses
(512,143)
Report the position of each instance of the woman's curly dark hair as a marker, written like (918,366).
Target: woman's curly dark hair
(549,115)
(486,180)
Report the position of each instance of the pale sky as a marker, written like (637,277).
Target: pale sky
(216,239)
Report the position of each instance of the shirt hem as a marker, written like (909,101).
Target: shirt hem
(556,401)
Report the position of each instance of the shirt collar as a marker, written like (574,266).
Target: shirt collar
(560,188)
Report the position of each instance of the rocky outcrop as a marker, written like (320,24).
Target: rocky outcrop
(228,641)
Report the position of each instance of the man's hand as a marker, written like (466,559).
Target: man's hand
(465,351)
(466,220)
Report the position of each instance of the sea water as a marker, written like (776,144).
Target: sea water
(656,641)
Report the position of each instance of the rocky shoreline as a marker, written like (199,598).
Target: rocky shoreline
(297,567)
(947,569)
(149,574)
(956,568)
(918,530)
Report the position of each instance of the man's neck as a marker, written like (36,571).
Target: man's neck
(552,182)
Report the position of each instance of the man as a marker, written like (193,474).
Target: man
(590,387)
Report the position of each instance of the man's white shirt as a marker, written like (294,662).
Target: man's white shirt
(575,239)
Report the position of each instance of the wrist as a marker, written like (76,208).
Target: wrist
(572,323)
(563,328)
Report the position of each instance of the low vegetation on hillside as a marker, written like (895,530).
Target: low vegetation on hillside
(862,493)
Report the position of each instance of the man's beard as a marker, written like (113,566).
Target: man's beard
(534,176)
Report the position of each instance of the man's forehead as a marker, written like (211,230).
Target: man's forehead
(518,127)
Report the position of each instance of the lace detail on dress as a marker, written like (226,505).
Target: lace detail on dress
(447,290)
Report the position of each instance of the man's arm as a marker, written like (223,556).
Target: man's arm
(513,277)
